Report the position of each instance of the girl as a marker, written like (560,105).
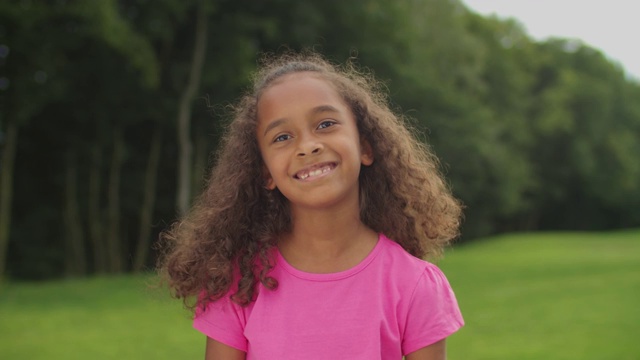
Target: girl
(307,242)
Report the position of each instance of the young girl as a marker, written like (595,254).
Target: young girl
(308,239)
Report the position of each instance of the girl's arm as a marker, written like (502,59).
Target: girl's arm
(435,351)
(218,351)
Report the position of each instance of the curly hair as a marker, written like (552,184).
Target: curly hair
(230,233)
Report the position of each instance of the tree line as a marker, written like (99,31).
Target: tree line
(109,111)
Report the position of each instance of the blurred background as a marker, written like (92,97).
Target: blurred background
(110,111)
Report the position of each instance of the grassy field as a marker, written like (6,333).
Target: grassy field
(548,296)
(529,296)
(98,318)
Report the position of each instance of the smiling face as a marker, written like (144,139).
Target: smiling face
(309,142)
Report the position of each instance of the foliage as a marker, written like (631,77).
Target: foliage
(531,135)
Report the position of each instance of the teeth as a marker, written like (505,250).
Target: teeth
(315,172)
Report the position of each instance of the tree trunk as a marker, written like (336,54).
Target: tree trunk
(184,112)
(114,247)
(6,191)
(96,236)
(75,258)
(199,162)
(148,202)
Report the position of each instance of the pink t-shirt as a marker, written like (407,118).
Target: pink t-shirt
(389,305)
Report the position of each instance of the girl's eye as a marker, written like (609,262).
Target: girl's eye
(282,137)
(325,124)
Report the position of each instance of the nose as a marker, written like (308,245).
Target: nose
(309,146)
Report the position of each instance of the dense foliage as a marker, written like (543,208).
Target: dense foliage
(109,110)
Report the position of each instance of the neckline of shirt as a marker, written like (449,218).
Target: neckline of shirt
(336,275)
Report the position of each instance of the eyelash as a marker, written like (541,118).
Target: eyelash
(279,138)
(323,125)
(330,122)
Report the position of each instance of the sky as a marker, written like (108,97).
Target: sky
(611,26)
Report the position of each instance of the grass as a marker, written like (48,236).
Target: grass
(548,296)
(526,296)
(98,318)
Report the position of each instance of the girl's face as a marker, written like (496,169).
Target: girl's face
(309,142)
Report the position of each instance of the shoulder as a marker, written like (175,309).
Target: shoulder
(394,254)
(419,277)
(428,308)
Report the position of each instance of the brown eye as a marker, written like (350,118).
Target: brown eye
(282,137)
(325,124)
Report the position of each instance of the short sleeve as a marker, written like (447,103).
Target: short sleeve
(224,321)
(433,312)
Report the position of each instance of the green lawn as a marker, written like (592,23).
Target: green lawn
(548,296)
(98,318)
(530,296)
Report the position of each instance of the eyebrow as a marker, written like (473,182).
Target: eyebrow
(273,125)
(323,108)
(316,110)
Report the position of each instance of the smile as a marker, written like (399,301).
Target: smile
(315,171)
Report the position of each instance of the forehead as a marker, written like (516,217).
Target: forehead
(297,91)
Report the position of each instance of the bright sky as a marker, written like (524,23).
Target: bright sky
(613,26)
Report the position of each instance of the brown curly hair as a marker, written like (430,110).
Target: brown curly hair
(234,225)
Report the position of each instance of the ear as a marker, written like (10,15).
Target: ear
(366,157)
(269,184)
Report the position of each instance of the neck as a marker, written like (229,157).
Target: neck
(327,240)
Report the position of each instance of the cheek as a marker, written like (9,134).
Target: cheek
(273,164)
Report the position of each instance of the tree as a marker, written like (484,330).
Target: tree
(29,86)
(184,113)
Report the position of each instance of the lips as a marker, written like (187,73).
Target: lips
(314,171)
